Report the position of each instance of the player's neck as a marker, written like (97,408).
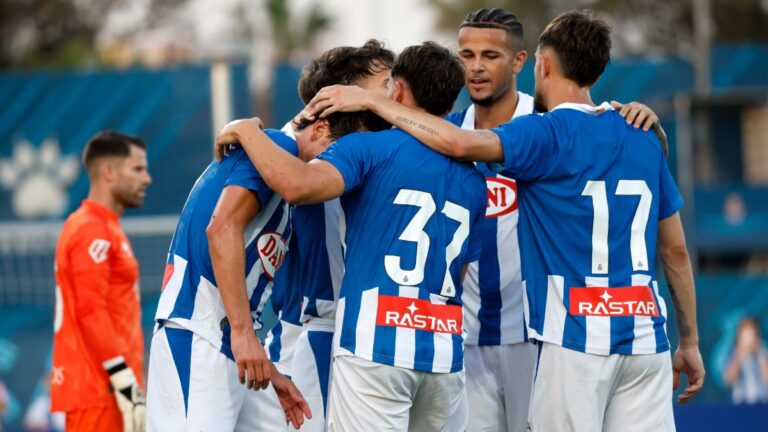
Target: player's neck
(104,197)
(497,113)
(567,91)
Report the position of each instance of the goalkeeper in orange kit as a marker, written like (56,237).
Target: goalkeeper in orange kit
(98,344)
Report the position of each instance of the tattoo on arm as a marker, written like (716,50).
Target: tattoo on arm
(486,134)
(421,126)
(682,319)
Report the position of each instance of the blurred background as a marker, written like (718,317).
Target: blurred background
(174,71)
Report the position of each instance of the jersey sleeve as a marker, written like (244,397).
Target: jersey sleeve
(89,255)
(528,141)
(353,157)
(670,200)
(244,174)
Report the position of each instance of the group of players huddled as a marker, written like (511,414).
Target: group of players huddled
(487,270)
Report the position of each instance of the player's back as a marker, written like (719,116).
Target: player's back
(407,214)
(589,214)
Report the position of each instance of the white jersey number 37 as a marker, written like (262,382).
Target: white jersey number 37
(414,232)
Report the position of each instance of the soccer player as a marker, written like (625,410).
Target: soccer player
(595,196)
(499,362)
(410,219)
(98,347)
(314,265)
(230,242)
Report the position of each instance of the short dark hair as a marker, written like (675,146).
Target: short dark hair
(582,43)
(434,74)
(346,65)
(496,18)
(109,143)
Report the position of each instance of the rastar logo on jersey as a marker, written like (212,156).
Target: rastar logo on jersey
(502,196)
(418,314)
(272,251)
(620,301)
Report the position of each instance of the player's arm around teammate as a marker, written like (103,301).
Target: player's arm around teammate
(438,134)
(298,182)
(236,208)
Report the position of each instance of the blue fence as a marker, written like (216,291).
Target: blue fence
(170,109)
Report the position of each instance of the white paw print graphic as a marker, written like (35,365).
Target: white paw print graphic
(38,178)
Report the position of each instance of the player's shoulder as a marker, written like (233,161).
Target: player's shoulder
(85,225)
(457,117)
(282,139)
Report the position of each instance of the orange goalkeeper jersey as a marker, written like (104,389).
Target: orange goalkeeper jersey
(98,316)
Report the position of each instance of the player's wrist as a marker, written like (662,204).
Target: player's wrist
(689,343)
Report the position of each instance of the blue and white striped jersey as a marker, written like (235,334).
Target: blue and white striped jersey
(319,250)
(591,192)
(410,218)
(285,302)
(190,297)
(493,292)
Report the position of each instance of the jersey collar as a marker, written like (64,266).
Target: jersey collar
(100,210)
(524,107)
(587,109)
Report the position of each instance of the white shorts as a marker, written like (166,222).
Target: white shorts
(368,396)
(192,386)
(312,369)
(575,391)
(499,380)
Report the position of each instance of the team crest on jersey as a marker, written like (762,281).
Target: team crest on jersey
(418,314)
(99,250)
(502,196)
(624,301)
(272,249)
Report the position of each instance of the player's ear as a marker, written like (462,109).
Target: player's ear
(520,57)
(320,129)
(106,171)
(547,62)
(399,93)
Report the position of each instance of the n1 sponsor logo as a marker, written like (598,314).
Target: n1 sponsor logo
(272,249)
(418,314)
(620,301)
(502,196)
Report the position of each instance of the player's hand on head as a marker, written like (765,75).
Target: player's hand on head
(637,114)
(687,360)
(293,403)
(253,366)
(337,98)
(229,135)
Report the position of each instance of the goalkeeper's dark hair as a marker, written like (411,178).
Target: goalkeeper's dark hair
(109,143)
(496,18)
(582,43)
(434,75)
(347,66)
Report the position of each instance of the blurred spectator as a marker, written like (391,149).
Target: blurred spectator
(38,417)
(734,209)
(3,403)
(747,371)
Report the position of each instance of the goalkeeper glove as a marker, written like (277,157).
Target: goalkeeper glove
(130,398)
